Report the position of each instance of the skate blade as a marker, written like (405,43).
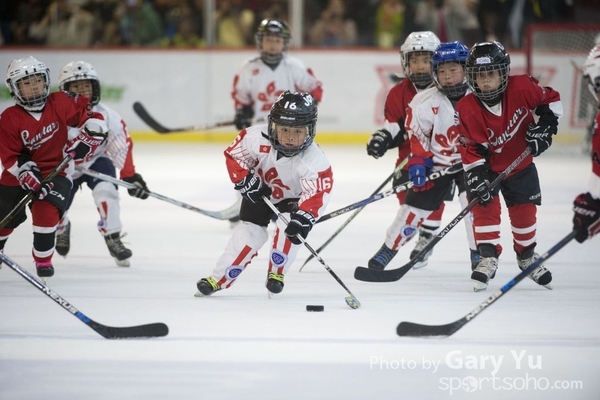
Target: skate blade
(122,263)
(198,294)
(479,286)
(420,264)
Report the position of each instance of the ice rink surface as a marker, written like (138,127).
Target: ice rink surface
(532,344)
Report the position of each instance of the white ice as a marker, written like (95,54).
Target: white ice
(238,344)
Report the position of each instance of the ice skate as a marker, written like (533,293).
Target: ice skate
(382,258)
(541,275)
(207,286)
(63,240)
(485,270)
(424,238)
(117,250)
(44,270)
(274,284)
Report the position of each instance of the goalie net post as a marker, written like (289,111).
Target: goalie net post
(555,54)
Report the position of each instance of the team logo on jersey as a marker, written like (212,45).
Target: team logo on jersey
(435,110)
(234,271)
(269,96)
(408,231)
(278,258)
(264,148)
(35,141)
(511,130)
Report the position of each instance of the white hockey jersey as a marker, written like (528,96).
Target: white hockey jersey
(117,146)
(306,176)
(431,129)
(258,85)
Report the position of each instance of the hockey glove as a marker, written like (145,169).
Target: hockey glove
(85,143)
(380,141)
(418,169)
(252,188)
(586,220)
(301,222)
(141,190)
(30,178)
(243,117)
(539,138)
(478,180)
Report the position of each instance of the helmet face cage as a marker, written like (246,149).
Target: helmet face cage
(418,43)
(25,68)
(455,52)
(591,71)
(272,27)
(79,71)
(294,110)
(485,57)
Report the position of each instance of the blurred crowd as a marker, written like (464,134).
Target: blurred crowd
(333,23)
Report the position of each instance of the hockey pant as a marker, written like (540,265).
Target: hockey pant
(434,220)
(106,197)
(45,215)
(247,239)
(522,195)
(410,217)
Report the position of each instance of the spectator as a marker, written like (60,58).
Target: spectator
(65,25)
(493,16)
(333,28)
(451,20)
(234,24)
(140,24)
(389,23)
(185,37)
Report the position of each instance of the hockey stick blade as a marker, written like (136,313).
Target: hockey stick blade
(157,329)
(392,275)
(145,116)
(130,332)
(411,329)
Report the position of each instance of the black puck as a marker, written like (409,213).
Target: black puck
(315,308)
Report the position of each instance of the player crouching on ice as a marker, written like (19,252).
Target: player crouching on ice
(281,162)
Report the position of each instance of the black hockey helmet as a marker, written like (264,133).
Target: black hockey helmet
(272,27)
(294,110)
(483,57)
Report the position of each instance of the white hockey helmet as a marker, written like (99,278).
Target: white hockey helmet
(591,71)
(24,68)
(79,71)
(418,42)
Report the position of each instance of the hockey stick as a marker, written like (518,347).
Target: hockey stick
(392,275)
(419,330)
(351,300)
(141,111)
(396,189)
(355,213)
(131,332)
(30,195)
(225,214)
